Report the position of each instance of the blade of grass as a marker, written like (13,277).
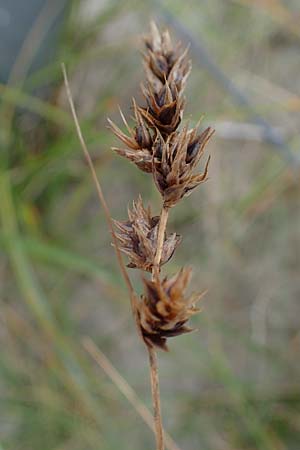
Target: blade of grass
(16,97)
(54,254)
(21,267)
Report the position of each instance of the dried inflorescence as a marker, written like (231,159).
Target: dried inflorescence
(164,62)
(167,69)
(156,145)
(164,108)
(138,238)
(165,309)
(174,162)
(139,142)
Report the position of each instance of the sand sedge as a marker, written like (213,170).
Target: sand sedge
(157,146)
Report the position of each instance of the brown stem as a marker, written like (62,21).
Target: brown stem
(123,386)
(133,297)
(159,434)
(160,240)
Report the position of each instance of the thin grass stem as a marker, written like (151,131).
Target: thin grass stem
(159,433)
(102,199)
(151,350)
(101,359)
(160,240)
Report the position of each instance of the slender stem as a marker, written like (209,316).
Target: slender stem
(155,271)
(99,188)
(123,386)
(159,434)
(160,240)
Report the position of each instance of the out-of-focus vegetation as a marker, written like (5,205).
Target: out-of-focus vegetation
(234,384)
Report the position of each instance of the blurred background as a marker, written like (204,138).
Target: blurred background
(233,384)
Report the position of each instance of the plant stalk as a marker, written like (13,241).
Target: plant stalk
(159,434)
(160,240)
(132,293)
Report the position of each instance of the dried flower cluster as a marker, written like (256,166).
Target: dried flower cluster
(157,146)
(138,238)
(165,309)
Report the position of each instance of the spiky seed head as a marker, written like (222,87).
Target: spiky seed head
(156,145)
(167,69)
(138,142)
(165,309)
(174,163)
(164,108)
(165,62)
(138,238)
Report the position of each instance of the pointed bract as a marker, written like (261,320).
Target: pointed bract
(138,143)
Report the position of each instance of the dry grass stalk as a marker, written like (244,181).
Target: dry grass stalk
(110,223)
(157,146)
(123,386)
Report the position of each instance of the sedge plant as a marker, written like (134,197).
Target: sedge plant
(159,147)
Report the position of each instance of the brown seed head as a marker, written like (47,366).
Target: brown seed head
(164,108)
(157,146)
(154,144)
(138,143)
(175,160)
(165,309)
(138,238)
(167,69)
(165,62)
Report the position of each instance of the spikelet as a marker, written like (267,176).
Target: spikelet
(164,109)
(139,142)
(164,62)
(164,308)
(175,161)
(167,69)
(138,238)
